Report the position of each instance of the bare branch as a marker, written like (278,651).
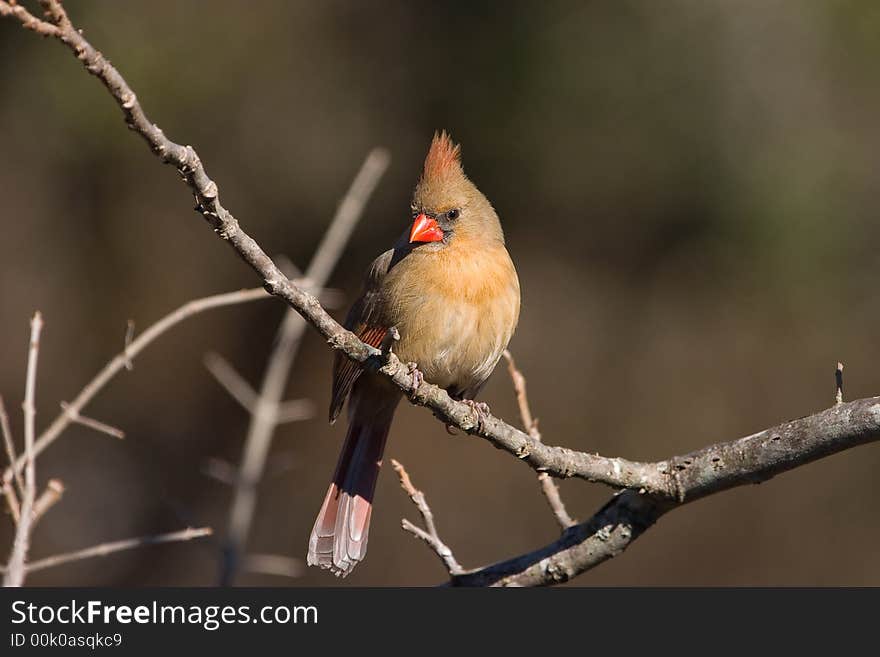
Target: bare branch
(104,549)
(548,486)
(28,20)
(126,343)
(711,470)
(431,537)
(55,13)
(417,496)
(101,427)
(10,446)
(49,498)
(233,382)
(15,571)
(266,414)
(580,548)
(12,502)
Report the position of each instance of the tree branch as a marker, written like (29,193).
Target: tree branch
(104,549)
(15,571)
(8,490)
(749,460)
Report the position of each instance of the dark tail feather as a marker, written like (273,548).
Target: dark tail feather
(339,537)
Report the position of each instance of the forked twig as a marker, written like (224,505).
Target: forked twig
(91,423)
(430,537)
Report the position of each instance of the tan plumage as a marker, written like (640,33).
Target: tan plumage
(451,290)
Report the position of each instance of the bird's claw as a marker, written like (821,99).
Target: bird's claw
(417,377)
(479,409)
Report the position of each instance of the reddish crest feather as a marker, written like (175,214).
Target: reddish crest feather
(444,158)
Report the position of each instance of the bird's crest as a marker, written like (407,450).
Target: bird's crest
(443,160)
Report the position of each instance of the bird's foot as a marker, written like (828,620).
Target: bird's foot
(417,377)
(479,409)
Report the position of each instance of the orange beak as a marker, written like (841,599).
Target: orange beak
(425,229)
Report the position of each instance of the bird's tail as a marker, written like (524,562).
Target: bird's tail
(339,537)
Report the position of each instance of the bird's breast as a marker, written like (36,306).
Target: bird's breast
(455,319)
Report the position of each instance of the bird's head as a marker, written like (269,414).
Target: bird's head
(446,204)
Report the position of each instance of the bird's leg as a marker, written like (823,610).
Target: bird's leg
(417,377)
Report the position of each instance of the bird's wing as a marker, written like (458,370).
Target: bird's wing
(364,320)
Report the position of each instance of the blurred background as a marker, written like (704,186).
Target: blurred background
(688,190)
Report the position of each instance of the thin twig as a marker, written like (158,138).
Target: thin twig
(48,498)
(126,343)
(28,20)
(838,378)
(12,502)
(10,445)
(417,496)
(430,537)
(9,491)
(55,13)
(91,423)
(15,571)
(265,417)
(117,546)
(530,423)
(233,382)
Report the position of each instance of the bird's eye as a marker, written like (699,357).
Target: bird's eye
(453,214)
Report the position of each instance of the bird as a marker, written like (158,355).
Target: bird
(451,291)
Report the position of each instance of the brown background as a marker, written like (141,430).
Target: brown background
(688,190)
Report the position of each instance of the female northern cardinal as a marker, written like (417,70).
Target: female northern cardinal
(450,289)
